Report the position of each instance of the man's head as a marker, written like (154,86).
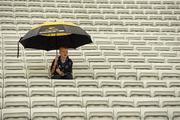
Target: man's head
(63,52)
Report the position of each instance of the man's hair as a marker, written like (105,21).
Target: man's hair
(63,48)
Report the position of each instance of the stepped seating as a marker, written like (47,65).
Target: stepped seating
(90,113)
(131,71)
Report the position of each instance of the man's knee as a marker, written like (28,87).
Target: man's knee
(69,76)
(64,77)
(56,77)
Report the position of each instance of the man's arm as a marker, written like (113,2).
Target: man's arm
(69,71)
(54,65)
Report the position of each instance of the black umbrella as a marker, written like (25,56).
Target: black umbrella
(52,35)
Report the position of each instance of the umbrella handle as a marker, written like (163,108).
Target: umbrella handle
(18,49)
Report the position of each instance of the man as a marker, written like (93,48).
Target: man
(61,67)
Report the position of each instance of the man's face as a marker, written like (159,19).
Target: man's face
(63,52)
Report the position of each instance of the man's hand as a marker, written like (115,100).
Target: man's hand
(59,72)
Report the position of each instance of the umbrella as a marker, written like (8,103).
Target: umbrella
(52,35)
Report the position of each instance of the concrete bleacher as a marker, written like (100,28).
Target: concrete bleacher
(131,71)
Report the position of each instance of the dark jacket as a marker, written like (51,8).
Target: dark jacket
(66,67)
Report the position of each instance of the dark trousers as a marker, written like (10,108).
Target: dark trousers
(68,76)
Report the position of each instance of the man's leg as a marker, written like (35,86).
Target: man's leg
(68,76)
(56,77)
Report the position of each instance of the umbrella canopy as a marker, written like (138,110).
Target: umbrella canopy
(52,35)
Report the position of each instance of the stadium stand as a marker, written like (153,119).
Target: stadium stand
(131,71)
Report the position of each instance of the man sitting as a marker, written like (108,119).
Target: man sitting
(61,67)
